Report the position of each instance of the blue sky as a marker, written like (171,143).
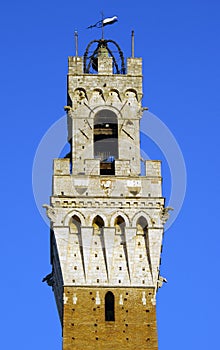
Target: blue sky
(179,43)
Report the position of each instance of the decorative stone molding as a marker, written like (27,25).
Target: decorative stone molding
(106,185)
(70,214)
(164,214)
(50,212)
(161,281)
(134,186)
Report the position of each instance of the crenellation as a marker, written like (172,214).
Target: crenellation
(75,65)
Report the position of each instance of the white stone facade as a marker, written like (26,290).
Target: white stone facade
(107,229)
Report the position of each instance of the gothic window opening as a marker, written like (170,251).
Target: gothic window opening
(142,226)
(120,229)
(109,307)
(142,230)
(106,140)
(119,225)
(75,225)
(98,225)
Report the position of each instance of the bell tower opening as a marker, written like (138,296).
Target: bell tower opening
(106,140)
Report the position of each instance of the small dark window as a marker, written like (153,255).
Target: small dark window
(109,306)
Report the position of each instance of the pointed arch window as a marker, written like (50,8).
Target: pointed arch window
(109,306)
(142,226)
(98,225)
(75,225)
(120,225)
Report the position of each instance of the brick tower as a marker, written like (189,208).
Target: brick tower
(106,219)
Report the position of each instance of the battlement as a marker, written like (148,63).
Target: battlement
(104,83)
(105,66)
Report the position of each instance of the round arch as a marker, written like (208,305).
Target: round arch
(112,91)
(100,95)
(131,90)
(107,106)
(81,91)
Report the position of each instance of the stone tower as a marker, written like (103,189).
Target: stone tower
(106,218)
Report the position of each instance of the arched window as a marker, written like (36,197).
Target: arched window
(109,306)
(119,225)
(106,140)
(75,224)
(142,226)
(98,225)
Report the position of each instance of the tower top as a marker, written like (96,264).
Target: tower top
(103,47)
(107,212)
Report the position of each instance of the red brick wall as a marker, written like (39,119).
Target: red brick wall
(85,328)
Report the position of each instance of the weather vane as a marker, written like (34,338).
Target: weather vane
(104,22)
